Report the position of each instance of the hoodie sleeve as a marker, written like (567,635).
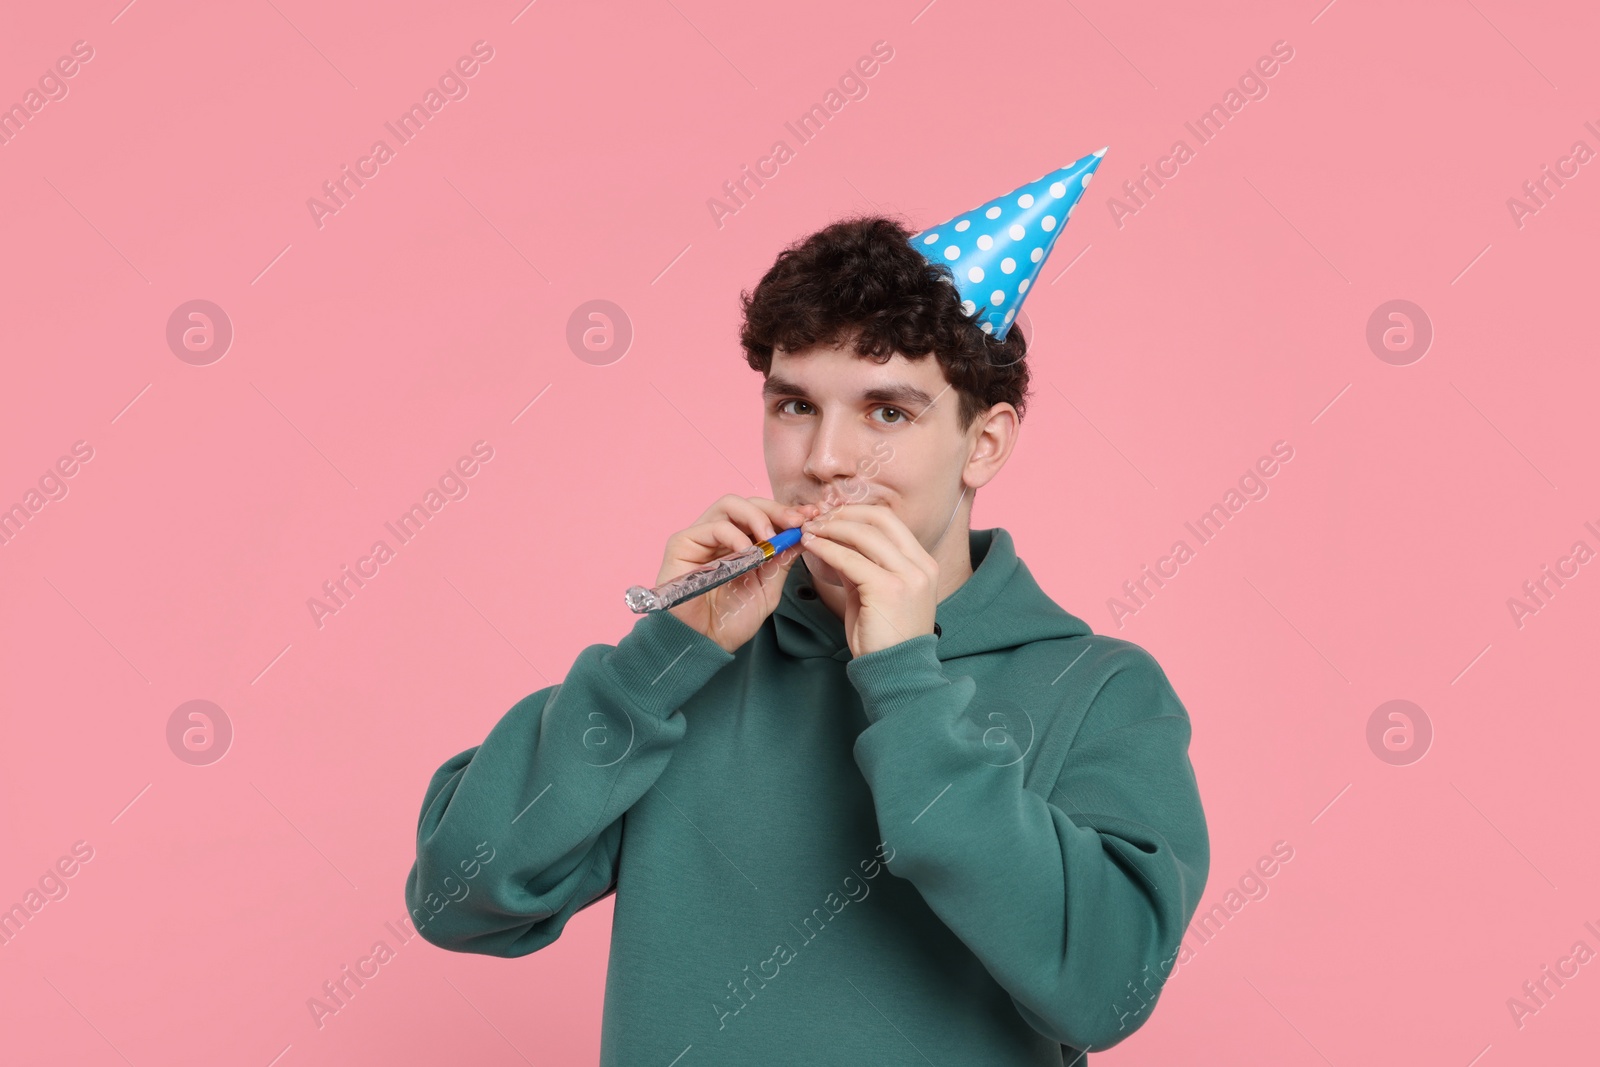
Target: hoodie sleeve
(1075,902)
(523,831)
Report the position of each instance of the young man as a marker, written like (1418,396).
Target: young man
(880,801)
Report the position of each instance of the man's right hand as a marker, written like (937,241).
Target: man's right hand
(731,613)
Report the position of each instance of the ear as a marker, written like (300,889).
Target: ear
(995,434)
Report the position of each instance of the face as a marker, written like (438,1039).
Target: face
(842,428)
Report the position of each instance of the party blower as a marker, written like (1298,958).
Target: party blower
(992,254)
(706,578)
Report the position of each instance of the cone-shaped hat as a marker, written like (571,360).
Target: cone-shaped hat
(996,251)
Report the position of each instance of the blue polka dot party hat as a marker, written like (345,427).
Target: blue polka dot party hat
(996,251)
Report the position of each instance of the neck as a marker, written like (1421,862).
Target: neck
(954,553)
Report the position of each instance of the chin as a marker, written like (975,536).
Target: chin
(822,573)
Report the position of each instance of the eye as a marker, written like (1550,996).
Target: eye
(897,412)
(782,404)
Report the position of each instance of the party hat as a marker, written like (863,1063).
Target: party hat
(996,251)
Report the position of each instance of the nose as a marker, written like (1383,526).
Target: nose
(835,450)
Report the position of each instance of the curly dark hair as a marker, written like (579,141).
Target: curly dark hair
(861,279)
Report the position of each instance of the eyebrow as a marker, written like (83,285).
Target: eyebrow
(898,393)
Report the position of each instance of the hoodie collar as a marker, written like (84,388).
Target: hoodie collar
(1000,606)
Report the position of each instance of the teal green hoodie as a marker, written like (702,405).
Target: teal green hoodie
(980,846)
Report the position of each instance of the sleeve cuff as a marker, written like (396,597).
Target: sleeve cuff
(899,676)
(663,661)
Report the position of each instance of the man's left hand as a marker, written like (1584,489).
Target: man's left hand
(891,582)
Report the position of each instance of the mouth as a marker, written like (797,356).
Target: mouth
(830,503)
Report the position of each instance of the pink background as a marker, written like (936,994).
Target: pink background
(429,313)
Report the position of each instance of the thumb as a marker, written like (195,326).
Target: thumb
(767,576)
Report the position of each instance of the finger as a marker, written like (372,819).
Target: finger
(858,571)
(782,516)
(889,525)
(844,559)
(711,540)
(758,516)
(718,510)
(868,540)
(879,515)
(832,503)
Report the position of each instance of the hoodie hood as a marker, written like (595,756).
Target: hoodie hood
(999,607)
